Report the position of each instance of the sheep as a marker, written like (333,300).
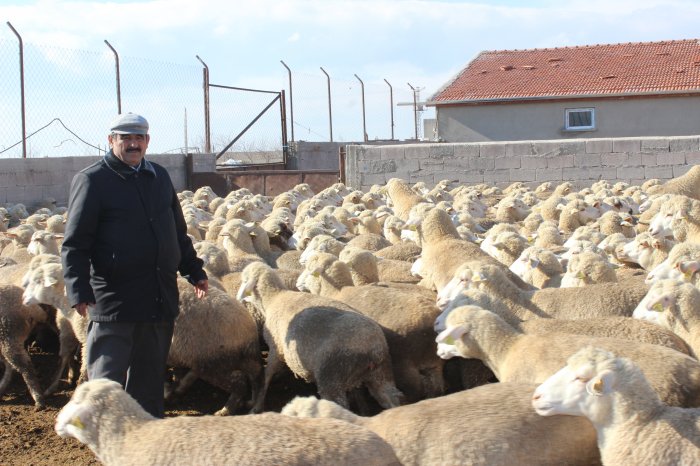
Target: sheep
(20,235)
(406,315)
(576,213)
(392,229)
(507,247)
(548,208)
(680,217)
(511,209)
(675,306)
(119,432)
(238,245)
(514,356)
(613,246)
(645,250)
(402,197)
(490,237)
(548,236)
(585,233)
(686,185)
(633,425)
(369,241)
(443,251)
(45,285)
(587,268)
(487,425)
(598,300)
(531,223)
(682,263)
(366,268)
(43,242)
(226,355)
(613,222)
(17,320)
(307,333)
(407,251)
(539,267)
(626,328)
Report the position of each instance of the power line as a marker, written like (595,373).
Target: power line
(46,126)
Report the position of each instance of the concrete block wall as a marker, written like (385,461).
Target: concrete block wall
(581,161)
(31,180)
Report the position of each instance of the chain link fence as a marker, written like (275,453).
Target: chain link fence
(71,96)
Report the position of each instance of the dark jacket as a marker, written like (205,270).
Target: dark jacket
(125,241)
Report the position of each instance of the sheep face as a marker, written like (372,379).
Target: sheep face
(525,265)
(578,389)
(663,222)
(463,279)
(669,269)
(45,285)
(660,305)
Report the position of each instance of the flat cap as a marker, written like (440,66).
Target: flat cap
(129,123)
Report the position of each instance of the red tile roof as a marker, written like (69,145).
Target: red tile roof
(641,68)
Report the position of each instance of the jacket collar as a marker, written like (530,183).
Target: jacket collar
(124,170)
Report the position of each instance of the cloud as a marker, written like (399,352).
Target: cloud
(294,37)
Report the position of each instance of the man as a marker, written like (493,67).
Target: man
(125,241)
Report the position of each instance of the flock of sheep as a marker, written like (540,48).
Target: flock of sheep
(583,305)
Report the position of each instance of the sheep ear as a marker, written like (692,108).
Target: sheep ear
(50,281)
(660,303)
(451,334)
(680,215)
(626,224)
(534,263)
(560,207)
(245,291)
(689,267)
(581,276)
(602,384)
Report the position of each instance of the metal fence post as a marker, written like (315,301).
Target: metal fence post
(21,84)
(291,97)
(330,112)
(119,90)
(207,129)
(364,123)
(415,109)
(391,107)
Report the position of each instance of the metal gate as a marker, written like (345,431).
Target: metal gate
(249,125)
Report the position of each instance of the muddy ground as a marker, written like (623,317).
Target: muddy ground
(27,436)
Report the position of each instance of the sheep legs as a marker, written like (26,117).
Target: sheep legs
(18,359)
(274,365)
(66,354)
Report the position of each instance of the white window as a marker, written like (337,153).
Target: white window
(579,119)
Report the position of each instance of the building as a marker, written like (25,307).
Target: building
(595,91)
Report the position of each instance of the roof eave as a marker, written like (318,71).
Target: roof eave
(435,103)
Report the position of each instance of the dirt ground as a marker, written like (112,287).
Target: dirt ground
(27,436)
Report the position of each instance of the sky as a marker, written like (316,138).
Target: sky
(423,43)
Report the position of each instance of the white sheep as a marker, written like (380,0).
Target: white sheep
(514,356)
(321,340)
(682,263)
(444,251)
(405,314)
(588,268)
(674,305)
(487,425)
(633,425)
(539,267)
(119,432)
(598,300)
(17,320)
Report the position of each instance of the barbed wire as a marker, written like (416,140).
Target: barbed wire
(46,126)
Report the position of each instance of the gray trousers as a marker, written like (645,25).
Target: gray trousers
(133,354)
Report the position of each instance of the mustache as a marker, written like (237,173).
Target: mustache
(133,150)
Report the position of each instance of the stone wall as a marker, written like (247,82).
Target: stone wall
(581,161)
(30,180)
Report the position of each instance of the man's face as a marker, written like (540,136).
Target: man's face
(129,148)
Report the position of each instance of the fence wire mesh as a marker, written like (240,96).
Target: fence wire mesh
(71,96)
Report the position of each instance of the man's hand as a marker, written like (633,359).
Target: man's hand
(201,288)
(82,308)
